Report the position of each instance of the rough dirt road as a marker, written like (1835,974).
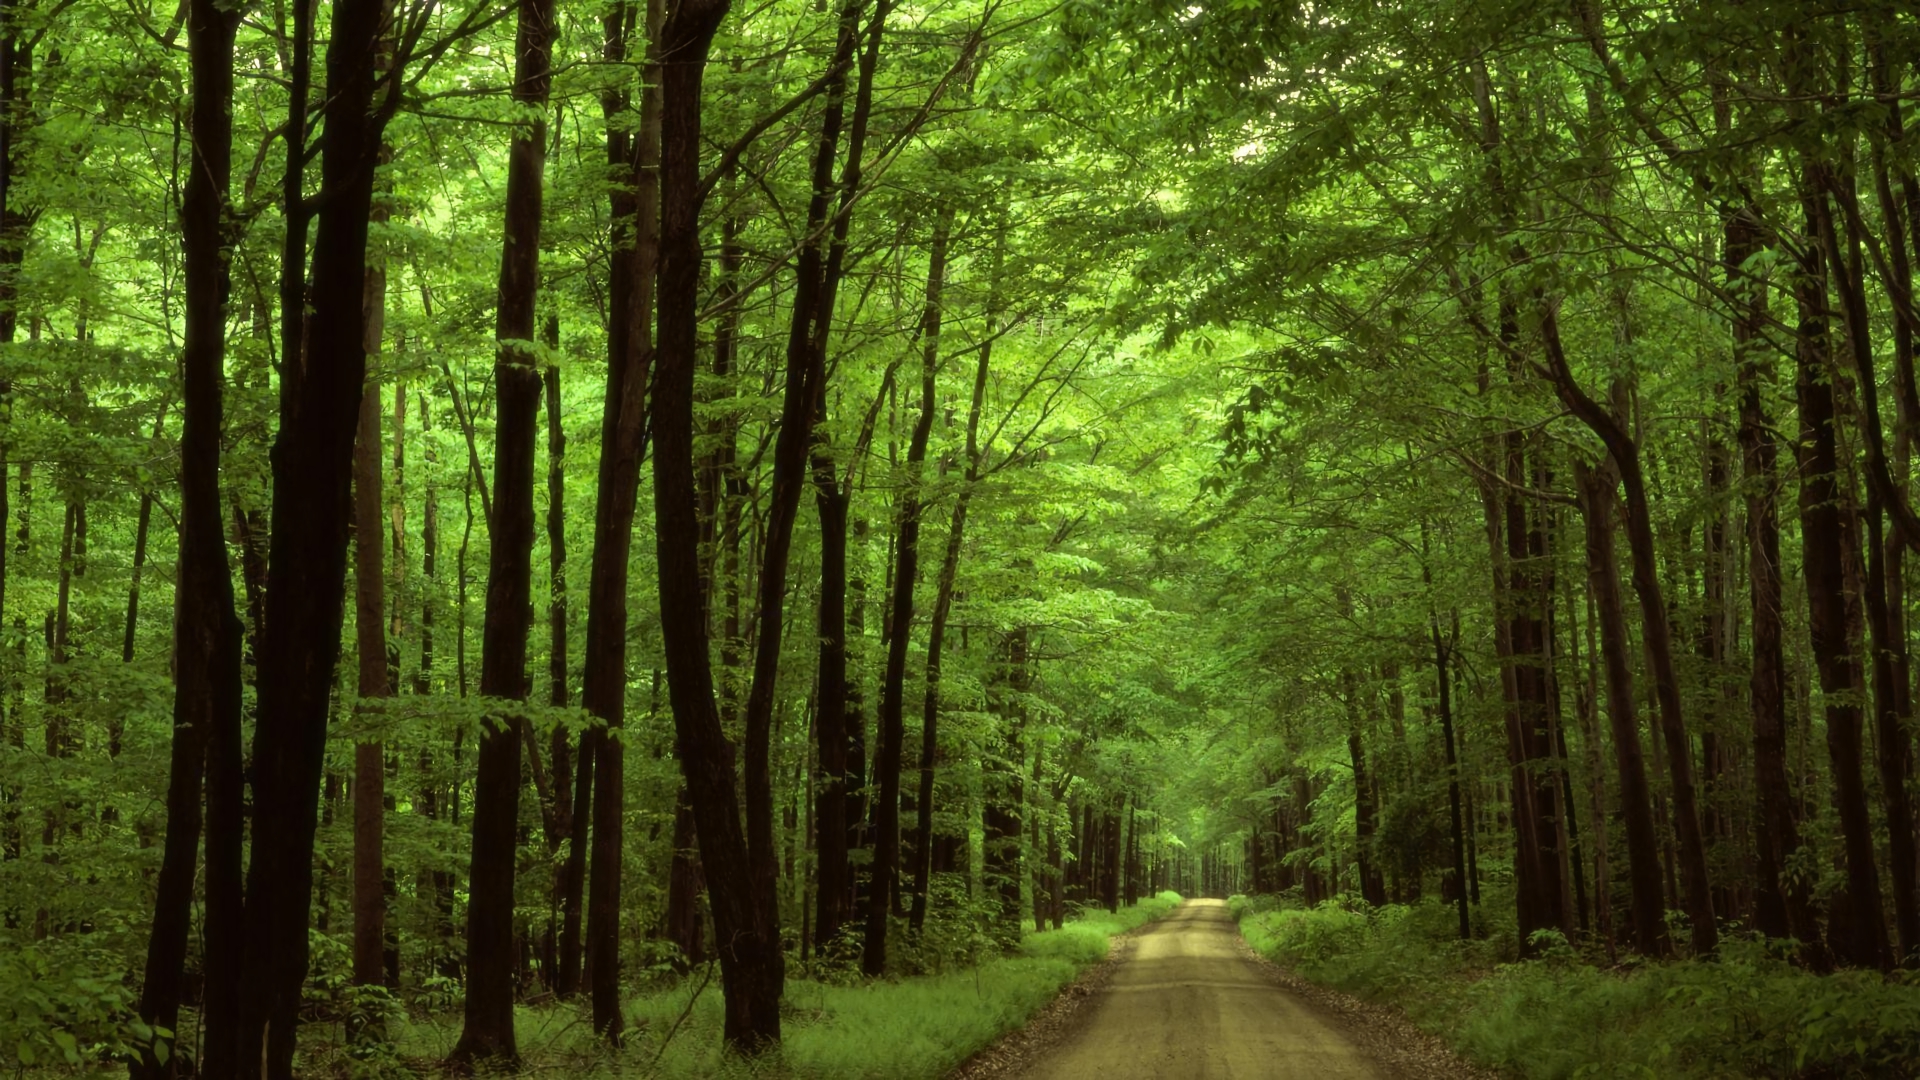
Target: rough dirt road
(1188,1006)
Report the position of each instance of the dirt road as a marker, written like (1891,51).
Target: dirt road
(1187,1006)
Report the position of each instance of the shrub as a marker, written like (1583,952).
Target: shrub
(1748,1013)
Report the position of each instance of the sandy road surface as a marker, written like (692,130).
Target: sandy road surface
(1187,1006)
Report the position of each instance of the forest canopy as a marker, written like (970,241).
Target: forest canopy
(505,507)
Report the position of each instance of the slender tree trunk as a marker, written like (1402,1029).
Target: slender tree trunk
(1841,242)
(906,571)
(603,689)
(1783,904)
(1372,889)
(559,802)
(814,291)
(1443,677)
(1001,857)
(752,968)
(1648,908)
(830,722)
(207,643)
(320,392)
(1828,542)
(837,717)
(488,1033)
(369,774)
(1655,629)
(370,629)
(1897,214)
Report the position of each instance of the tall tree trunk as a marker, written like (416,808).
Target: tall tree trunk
(1443,677)
(1828,543)
(1897,215)
(1648,910)
(488,1033)
(1372,888)
(886,858)
(752,967)
(1783,904)
(603,689)
(1655,630)
(370,629)
(320,392)
(1841,242)
(369,774)
(814,291)
(560,798)
(1001,856)
(208,684)
(837,717)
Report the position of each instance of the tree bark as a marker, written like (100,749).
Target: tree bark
(1002,808)
(751,963)
(488,1032)
(1840,243)
(1828,543)
(369,774)
(1655,631)
(603,690)
(886,858)
(837,716)
(320,392)
(207,687)
(1783,902)
(815,286)
(1648,910)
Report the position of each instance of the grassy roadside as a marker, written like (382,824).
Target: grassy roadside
(896,1029)
(1748,1014)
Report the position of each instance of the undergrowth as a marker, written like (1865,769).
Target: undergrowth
(1749,1013)
(835,1027)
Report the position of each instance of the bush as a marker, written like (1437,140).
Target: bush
(1750,1013)
(64,1006)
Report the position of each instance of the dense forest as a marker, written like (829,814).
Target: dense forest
(506,506)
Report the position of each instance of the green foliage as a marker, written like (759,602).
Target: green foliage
(1750,1013)
(897,1029)
(64,1007)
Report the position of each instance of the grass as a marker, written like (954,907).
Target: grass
(1749,1013)
(908,1028)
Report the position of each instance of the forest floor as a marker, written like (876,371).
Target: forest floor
(1185,999)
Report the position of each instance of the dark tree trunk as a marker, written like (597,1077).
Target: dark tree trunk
(573,870)
(1897,213)
(1001,856)
(1443,678)
(207,688)
(683,925)
(369,773)
(488,1033)
(633,201)
(560,798)
(837,717)
(1828,542)
(831,720)
(323,371)
(1655,630)
(886,859)
(370,629)
(1518,637)
(1372,889)
(815,288)
(1783,904)
(752,966)
(1841,244)
(1597,507)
